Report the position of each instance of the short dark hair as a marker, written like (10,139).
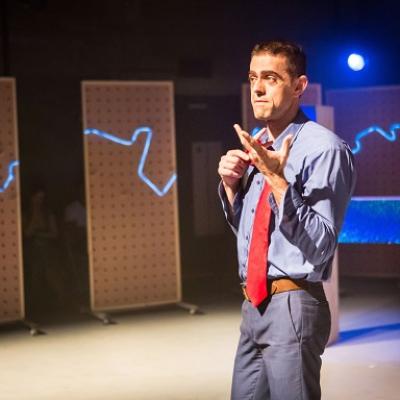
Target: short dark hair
(293,52)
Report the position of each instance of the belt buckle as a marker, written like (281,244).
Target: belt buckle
(246,296)
(272,287)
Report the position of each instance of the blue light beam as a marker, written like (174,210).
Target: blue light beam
(391,136)
(149,134)
(10,177)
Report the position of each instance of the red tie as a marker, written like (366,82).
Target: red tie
(256,285)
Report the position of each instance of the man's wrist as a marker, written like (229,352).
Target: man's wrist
(278,185)
(231,190)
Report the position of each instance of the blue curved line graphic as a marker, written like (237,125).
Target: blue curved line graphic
(149,134)
(10,177)
(391,136)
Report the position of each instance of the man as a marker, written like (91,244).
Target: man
(284,195)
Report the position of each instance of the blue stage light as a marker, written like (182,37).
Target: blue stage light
(142,129)
(356,62)
(10,177)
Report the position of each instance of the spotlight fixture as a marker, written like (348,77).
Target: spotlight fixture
(356,62)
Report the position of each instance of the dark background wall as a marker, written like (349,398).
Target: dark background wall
(203,46)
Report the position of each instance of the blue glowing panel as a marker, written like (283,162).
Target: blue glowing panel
(390,136)
(372,220)
(310,111)
(140,171)
(11,176)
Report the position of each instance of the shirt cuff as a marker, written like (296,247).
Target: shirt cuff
(231,214)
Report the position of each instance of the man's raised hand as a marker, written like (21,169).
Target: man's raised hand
(268,162)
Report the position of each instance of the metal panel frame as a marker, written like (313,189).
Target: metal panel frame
(12,306)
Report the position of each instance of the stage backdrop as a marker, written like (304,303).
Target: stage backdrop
(11,276)
(311,105)
(131,194)
(369,120)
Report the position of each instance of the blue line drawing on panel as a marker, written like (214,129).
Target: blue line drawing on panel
(149,134)
(10,177)
(391,136)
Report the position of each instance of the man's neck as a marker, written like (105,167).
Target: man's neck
(275,128)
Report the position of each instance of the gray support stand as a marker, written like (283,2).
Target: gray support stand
(34,329)
(102,317)
(192,308)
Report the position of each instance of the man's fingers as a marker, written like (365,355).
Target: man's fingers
(245,142)
(237,166)
(237,128)
(229,173)
(255,144)
(267,144)
(240,154)
(252,143)
(244,137)
(259,134)
(241,133)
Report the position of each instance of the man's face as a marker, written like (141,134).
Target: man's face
(272,88)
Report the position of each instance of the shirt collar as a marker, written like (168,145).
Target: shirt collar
(292,129)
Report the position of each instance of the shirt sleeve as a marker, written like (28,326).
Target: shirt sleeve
(312,210)
(232,214)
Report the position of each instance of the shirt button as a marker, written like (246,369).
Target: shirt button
(252,210)
(258,182)
(247,237)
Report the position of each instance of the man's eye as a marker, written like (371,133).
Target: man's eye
(272,78)
(252,78)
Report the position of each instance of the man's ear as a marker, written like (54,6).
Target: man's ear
(301,85)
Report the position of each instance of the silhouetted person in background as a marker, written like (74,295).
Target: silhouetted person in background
(43,272)
(75,234)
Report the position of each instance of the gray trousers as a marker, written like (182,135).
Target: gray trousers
(280,347)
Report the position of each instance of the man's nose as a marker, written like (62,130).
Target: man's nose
(258,87)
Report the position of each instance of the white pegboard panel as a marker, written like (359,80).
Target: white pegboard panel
(325,116)
(377,109)
(131,194)
(11,273)
(369,119)
(312,96)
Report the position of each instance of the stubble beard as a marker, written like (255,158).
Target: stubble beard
(262,114)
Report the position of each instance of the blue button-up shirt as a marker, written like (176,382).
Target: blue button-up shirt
(305,226)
